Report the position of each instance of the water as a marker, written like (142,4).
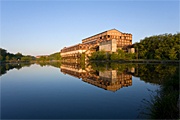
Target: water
(69,91)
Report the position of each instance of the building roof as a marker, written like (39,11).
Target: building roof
(71,46)
(101,33)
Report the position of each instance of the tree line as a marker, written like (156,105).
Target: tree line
(18,57)
(160,47)
(10,57)
(55,56)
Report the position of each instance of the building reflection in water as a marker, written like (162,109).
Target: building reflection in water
(108,79)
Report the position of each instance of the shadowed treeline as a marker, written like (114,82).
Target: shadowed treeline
(6,67)
(9,66)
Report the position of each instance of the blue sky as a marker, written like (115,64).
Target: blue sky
(44,27)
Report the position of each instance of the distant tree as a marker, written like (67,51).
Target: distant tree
(54,56)
(1,57)
(3,52)
(13,57)
(25,58)
(42,58)
(7,57)
(18,55)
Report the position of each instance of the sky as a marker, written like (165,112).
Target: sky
(44,27)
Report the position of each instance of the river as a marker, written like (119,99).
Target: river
(74,91)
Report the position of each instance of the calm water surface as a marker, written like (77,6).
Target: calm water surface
(69,91)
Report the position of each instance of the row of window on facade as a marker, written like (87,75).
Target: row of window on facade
(87,47)
(109,36)
(113,36)
(76,48)
(119,43)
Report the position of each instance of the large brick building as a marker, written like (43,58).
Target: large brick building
(109,41)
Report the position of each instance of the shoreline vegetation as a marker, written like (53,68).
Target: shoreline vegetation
(154,49)
(6,57)
(139,61)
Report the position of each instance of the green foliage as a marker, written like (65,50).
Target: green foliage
(119,55)
(18,55)
(54,56)
(82,60)
(1,57)
(3,53)
(45,63)
(99,55)
(82,57)
(161,47)
(99,66)
(9,57)
(6,67)
(42,58)
(155,73)
(26,58)
(114,56)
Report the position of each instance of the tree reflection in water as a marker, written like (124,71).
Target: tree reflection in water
(6,67)
(114,76)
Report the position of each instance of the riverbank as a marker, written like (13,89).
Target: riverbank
(15,62)
(139,61)
(33,61)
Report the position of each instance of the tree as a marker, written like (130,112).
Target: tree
(25,58)
(121,54)
(99,55)
(162,47)
(1,57)
(7,57)
(114,56)
(18,55)
(172,54)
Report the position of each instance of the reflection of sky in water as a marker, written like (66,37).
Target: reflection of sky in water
(45,92)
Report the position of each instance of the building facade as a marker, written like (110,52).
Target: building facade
(109,41)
